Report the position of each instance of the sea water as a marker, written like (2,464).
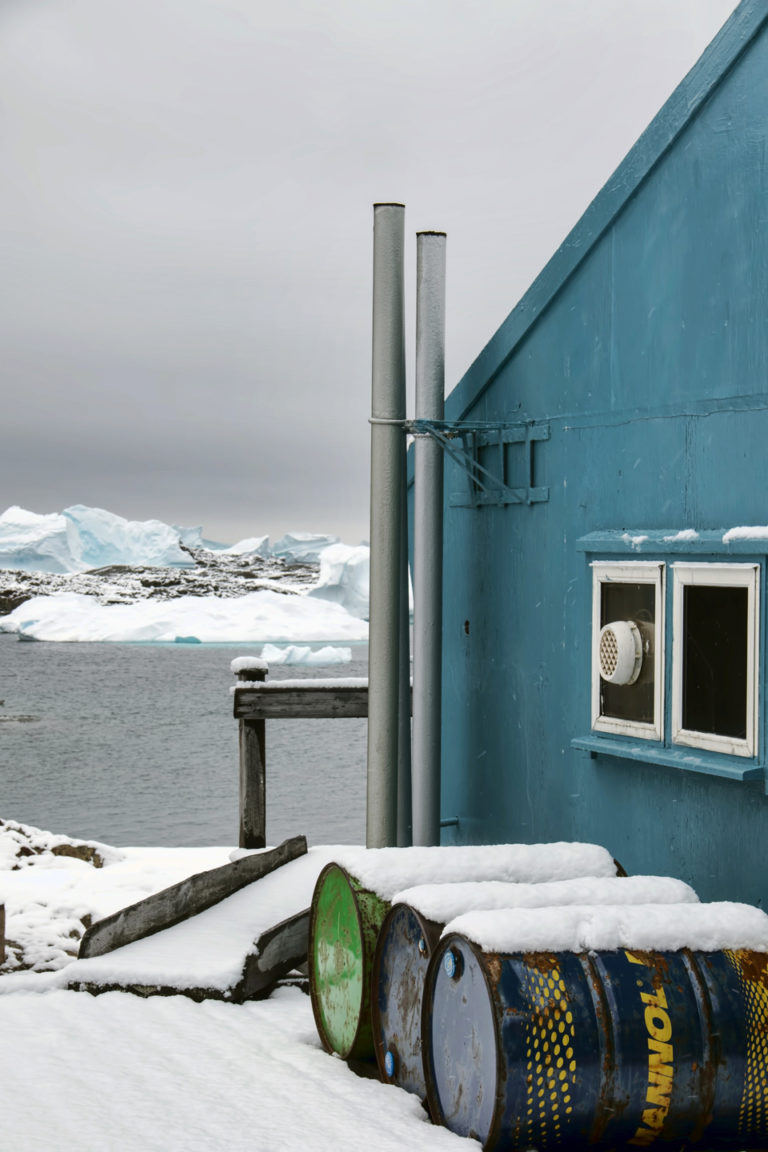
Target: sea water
(135,744)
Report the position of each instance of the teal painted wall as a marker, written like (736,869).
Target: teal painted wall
(650,365)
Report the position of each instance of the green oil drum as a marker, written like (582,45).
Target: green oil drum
(345,919)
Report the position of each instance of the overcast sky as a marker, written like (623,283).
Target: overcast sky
(186,224)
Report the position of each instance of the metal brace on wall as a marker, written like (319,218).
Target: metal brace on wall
(481,452)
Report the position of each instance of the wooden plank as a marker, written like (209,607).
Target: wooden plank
(277,952)
(185,899)
(274,954)
(271,702)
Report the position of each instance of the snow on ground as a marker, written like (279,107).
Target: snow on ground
(117,1073)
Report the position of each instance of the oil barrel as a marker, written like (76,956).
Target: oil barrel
(409,935)
(602,1050)
(344,924)
(405,945)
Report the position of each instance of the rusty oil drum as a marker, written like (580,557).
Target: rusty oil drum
(406,943)
(343,927)
(600,1050)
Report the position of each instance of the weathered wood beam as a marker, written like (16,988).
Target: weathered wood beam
(278,951)
(274,702)
(185,899)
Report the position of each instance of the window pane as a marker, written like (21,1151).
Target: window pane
(636,602)
(715,660)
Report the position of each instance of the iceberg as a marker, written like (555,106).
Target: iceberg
(304,654)
(80,575)
(35,543)
(344,578)
(101,538)
(81,538)
(260,617)
(252,546)
(302,547)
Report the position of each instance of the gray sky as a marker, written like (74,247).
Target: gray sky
(186,224)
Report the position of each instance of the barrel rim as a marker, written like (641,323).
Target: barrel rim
(443,944)
(431,930)
(313,995)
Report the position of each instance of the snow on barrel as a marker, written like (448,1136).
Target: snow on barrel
(601,1027)
(411,930)
(353,894)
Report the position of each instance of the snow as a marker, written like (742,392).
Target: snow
(209,950)
(444,902)
(322,684)
(166,1074)
(746,533)
(257,617)
(248,664)
(680,537)
(389,871)
(642,927)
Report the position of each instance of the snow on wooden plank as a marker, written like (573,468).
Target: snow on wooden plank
(185,899)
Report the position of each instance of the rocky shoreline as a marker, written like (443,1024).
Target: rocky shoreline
(209,574)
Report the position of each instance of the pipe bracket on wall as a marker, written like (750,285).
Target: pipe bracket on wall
(498,459)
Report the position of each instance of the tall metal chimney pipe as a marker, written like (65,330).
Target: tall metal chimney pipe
(428,539)
(387,495)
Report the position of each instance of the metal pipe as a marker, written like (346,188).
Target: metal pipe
(428,539)
(387,492)
(404,817)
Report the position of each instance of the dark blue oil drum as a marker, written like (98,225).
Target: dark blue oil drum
(606,1050)
(405,945)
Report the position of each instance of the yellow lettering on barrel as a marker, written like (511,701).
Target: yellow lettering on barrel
(660,1069)
(659,1057)
(658,1023)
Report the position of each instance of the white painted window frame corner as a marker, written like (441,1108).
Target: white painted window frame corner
(630,572)
(722,575)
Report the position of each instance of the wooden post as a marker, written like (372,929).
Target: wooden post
(253,773)
(2,933)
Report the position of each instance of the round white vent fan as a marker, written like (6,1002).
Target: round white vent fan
(621,652)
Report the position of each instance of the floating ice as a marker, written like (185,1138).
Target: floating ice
(260,617)
(304,654)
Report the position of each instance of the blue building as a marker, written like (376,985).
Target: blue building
(605,584)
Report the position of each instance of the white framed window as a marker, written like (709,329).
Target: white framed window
(715,657)
(628,648)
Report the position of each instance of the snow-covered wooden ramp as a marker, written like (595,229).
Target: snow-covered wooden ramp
(228,934)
